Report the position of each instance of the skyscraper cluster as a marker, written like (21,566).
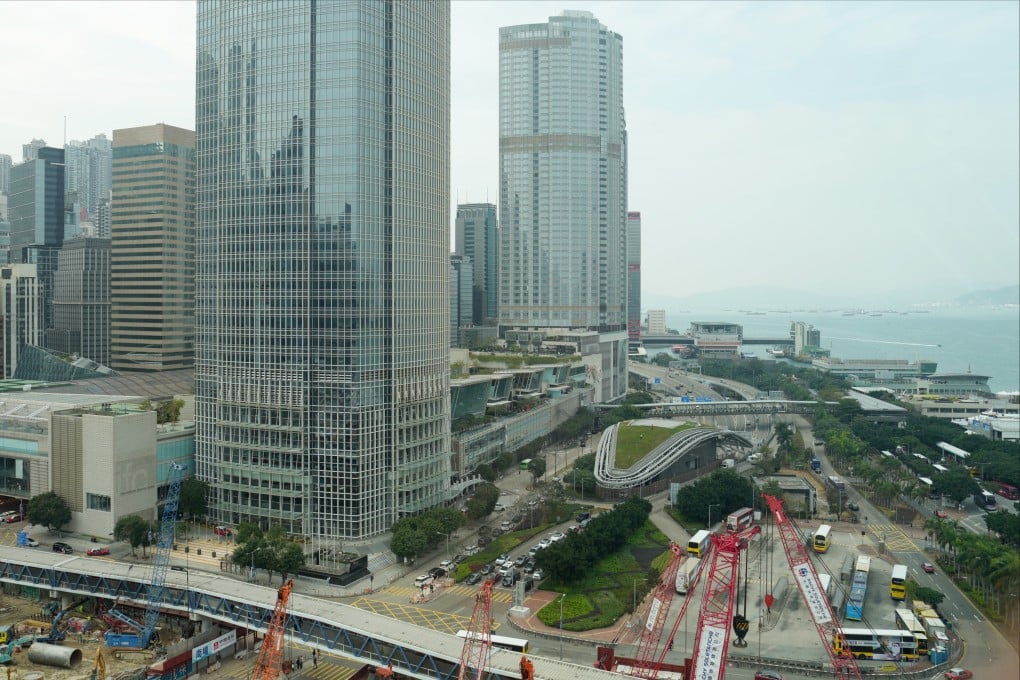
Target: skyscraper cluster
(295,248)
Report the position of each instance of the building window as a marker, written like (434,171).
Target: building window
(97,502)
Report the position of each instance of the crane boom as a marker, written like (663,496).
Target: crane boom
(712,639)
(651,634)
(806,577)
(160,562)
(474,655)
(267,666)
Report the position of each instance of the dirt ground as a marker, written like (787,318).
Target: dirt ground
(17,610)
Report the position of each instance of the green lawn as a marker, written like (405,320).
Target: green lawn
(633,442)
(607,591)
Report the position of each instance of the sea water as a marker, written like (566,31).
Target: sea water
(985,341)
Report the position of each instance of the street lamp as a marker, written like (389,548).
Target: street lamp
(710,506)
(561,625)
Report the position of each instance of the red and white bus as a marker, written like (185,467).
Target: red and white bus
(1008,491)
(739,520)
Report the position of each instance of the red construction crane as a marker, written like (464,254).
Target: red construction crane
(651,632)
(268,665)
(844,664)
(474,656)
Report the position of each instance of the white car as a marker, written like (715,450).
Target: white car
(446,565)
(557,536)
(537,575)
(544,543)
(31,543)
(499,508)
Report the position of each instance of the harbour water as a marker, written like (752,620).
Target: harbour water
(982,340)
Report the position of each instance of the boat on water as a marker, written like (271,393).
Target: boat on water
(776,353)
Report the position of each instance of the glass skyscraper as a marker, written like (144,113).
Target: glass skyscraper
(563,175)
(322,342)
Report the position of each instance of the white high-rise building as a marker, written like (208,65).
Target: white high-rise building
(323,241)
(563,175)
(21,309)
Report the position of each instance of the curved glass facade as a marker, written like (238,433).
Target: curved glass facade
(322,344)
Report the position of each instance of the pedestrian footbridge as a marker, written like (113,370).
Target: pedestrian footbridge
(683,406)
(360,636)
(658,460)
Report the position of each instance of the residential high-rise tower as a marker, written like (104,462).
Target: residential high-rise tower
(322,349)
(634,277)
(152,276)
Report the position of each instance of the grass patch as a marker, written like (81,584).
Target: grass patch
(633,442)
(607,591)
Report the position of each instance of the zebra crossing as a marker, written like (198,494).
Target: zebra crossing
(463,590)
(328,671)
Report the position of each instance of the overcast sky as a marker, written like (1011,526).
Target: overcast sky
(805,145)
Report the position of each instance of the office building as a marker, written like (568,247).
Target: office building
(152,277)
(634,278)
(323,239)
(477,237)
(87,172)
(5,173)
(461,289)
(36,214)
(563,175)
(81,300)
(656,322)
(21,311)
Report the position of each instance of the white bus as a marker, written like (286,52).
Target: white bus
(739,520)
(698,545)
(511,643)
(940,468)
(686,574)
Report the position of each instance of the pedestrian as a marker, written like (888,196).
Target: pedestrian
(315,658)
(671,644)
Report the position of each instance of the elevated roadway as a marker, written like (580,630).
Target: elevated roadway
(354,634)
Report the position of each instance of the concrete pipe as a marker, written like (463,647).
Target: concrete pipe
(54,655)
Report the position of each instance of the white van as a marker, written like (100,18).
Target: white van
(754,458)
(423,580)
(728,463)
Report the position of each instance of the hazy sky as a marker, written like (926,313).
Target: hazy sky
(808,145)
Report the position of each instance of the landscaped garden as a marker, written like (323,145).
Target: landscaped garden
(634,442)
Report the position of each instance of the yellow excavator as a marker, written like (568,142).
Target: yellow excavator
(99,668)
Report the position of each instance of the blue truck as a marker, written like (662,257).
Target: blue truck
(816,464)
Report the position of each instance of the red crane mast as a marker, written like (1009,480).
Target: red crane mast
(651,634)
(844,664)
(474,656)
(268,664)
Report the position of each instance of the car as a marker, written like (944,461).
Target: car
(423,580)
(521,559)
(544,543)
(473,578)
(223,531)
(92,552)
(853,506)
(31,543)
(959,674)
(485,570)
(941,514)
(537,575)
(457,559)
(16,517)
(511,577)
(507,525)
(928,567)
(446,565)
(532,503)
(62,548)
(767,675)
(499,507)
(557,536)
(437,572)
(534,550)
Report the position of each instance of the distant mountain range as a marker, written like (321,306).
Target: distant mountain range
(766,298)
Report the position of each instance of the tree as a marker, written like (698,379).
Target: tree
(537,468)
(288,559)
(169,411)
(132,529)
(957,484)
(194,497)
(407,542)
(48,510)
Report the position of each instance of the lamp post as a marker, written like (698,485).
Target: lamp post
(561,625)
(710,506)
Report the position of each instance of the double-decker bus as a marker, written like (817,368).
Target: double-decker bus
(820,541)
(908,621)
(1008,491)
(930,485)
(698,545)
(511,643)
(879,645)
(739,520)
(898,582)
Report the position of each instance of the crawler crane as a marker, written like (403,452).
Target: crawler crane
(268,664)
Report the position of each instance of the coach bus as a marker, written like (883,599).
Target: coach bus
(698,545)
(898,582)
(820,541)
(739,520)
(878,645)
(511,643)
